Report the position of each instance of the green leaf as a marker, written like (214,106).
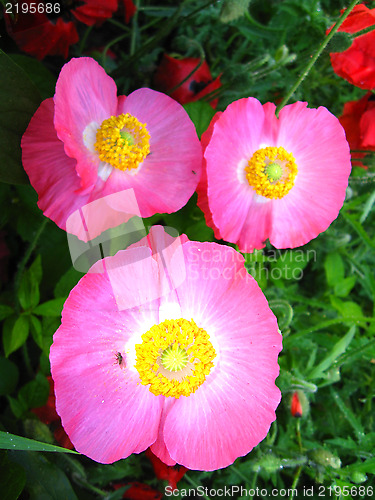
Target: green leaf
(368,466)
(5,311)
(335,352)
(41,77)
(12,478)
(18,408)
(289,265)
(367,207)
(8,376)
(36,331)
(347,308)
(28,292)
(44,480)
(334,268)
(350,416)
(12,442)
(15,333)
(51,308)
(344,287)
(67,282)
(201,114)
(36,269)
(35,393)
(19,99)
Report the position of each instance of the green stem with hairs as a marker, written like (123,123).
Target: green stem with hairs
(364,31)
(313,60)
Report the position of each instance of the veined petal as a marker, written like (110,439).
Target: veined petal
(84,94)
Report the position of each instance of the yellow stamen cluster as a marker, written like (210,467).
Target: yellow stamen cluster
(266,178)
(122,141)
(178,373)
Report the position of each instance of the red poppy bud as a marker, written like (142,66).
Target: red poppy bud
(296,407)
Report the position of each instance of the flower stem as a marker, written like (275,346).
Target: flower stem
(193,483)
(313,60)
(364,31)
(295,481)
(134,30)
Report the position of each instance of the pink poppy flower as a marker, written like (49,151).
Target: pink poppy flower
(190,374)
(86,144)
(283,179)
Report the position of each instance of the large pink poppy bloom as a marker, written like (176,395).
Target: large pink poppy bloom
(278,178)
(86,143)
(190,373)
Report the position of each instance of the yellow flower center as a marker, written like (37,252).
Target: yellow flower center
(271,172)
(174,358)
(122,141)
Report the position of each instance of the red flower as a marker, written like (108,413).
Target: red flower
(172,71)
(296,407)
(39,36)
(358,120)
(357,63)
(139,491)
(172,474)
(130,9)
(48,415)
(95,11)
(43,33)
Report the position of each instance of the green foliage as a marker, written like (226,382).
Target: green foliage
(322,294)
(19,99)
(11,442)
(12,478)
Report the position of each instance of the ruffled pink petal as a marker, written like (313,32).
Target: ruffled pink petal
(84,94)
(323,159)
(101,213)
(51,172)
(233,409)
(104,409)
(169,175)
(158,448)
(202,201)
(257,226)
(227,155)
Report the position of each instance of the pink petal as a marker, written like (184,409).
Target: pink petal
(233,409)
(323,160)
(51,172)
(168,177)
(202,201)
(104,409)
(84,94)
(227,155)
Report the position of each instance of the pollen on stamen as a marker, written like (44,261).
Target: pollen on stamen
(174,358)
(271,172)
(122,141)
